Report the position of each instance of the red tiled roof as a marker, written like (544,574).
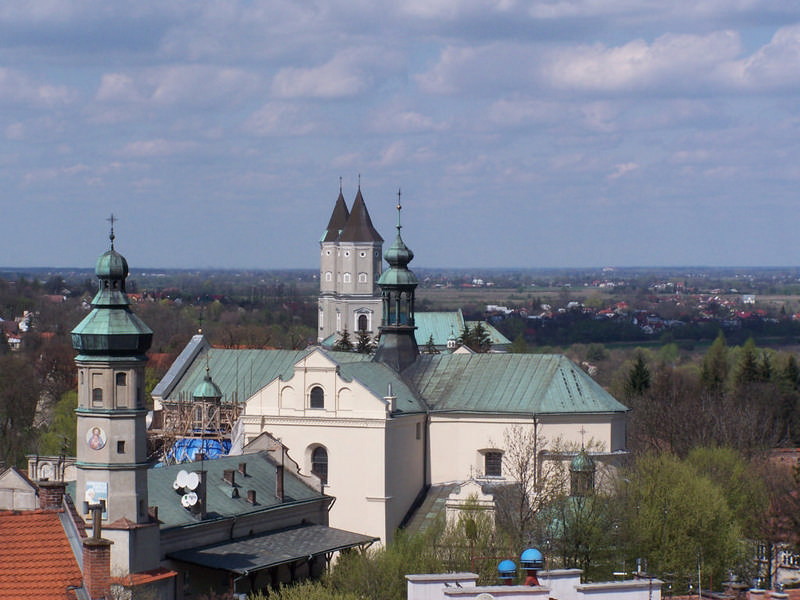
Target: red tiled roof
(36,560)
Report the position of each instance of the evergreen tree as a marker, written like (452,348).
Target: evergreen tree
(481,339)
(344,344)
(747,371)
(430,347)
(790,374)
(714,371)
(364,342)
(519,345)
(638,380)
(765,368)
(466,338)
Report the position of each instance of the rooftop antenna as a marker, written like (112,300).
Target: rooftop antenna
(111,219)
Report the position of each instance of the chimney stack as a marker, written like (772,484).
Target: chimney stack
(51,494)
(243,469)
(279,482)
(229,475)
(251,496)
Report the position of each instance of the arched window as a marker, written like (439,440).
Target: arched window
(347,278)
(362,278)
(493,463)
(319,463)
(317,399)
(328,275)
(362,322)
(97,397)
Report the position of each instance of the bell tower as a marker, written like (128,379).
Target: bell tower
(350,263)
(111,343)
(397,347)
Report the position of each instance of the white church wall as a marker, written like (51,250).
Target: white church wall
(405,469)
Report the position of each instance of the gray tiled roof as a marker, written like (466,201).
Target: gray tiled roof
(262,551)
(338,220)
(359,226)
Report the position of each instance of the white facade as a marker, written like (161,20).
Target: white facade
(374,459)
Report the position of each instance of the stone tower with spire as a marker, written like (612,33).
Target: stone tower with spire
(350,263)
(111,438)
(397,346)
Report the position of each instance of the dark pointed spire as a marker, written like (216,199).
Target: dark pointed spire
(359,226)
(338,219)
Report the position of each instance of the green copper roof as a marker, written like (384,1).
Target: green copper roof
(582,463)
(508,383)
(207,389)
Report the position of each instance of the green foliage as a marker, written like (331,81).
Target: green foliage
(430,347)
(638,380)
(519,345)
(344,344)
(19,394)
(60,435)
(747,371)
(671,512)
(379,574)
(364,343)
(595,352)
(477,339)
(306,590)
(714,370)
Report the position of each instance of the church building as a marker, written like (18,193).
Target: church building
(381,432)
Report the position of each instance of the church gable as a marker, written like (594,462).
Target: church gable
(319,386)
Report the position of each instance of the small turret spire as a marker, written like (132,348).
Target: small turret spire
(399,208)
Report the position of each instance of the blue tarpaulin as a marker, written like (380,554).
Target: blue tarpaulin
(186,449)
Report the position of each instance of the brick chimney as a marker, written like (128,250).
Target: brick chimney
(279,482)
(97,567)
(51,494)
(229,475)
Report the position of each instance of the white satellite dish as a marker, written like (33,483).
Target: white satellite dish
(192,498)
(192,480)
(182,477)
(185,501)
(175,485)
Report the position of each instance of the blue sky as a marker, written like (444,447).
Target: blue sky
(539,133)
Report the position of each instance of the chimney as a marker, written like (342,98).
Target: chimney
(251,496)
(279,482)
(229,475)
(391,401)
(152,511)
(97,567)
(199,508)
(243,469)
(51,494)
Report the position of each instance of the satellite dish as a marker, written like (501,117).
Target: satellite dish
(175,485)
(192,498)
(185,501)
(182,477)
(192,480)
(484,596)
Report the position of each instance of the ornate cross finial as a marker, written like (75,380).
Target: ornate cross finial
(582,432)
(398,210)
(111,219)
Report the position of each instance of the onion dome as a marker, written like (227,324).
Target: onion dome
(207,389)
(531,559)
(582,463)
(398,256)
(111,329)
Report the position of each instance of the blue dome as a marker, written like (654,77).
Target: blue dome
(531,559)
(507,569)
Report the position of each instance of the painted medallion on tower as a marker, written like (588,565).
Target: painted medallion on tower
(96,438)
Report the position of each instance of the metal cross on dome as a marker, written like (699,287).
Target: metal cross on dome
(111,220)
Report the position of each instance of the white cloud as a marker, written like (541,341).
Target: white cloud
(156,147)
(404,121)
(776,65)
(622,169)
(279,118)
(16,87)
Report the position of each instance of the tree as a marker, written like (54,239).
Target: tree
(344,344)
(60,435)
(477,339)
(19,394)
(714,371)
(364,343)
(669,513)
(747,371)
(638,380)
(430,347)
(519,345)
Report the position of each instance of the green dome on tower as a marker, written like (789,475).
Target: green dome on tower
(207,389)
(111,329)
(582,463)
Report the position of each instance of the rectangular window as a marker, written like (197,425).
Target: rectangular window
(419,431)
(121,447)
(493,464)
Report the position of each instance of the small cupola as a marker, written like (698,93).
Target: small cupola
(581,472)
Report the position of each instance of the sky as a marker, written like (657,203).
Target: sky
(538,133)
